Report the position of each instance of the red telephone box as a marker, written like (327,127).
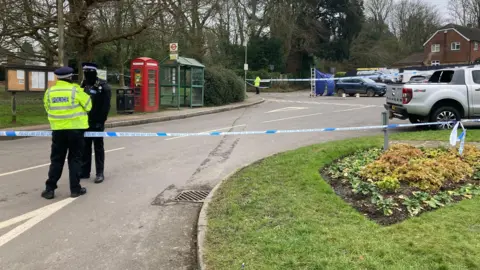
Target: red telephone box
(144,81)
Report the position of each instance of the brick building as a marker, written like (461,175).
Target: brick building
(450,45)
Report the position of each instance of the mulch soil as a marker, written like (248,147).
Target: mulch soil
(363,204)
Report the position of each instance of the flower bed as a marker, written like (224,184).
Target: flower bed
(405,181)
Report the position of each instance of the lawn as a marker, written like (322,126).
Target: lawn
(280,214)
(30,110)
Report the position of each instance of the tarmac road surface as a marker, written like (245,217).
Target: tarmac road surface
(117,225)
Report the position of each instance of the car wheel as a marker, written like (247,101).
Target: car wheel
(370,93)
(444,114)
(340,92)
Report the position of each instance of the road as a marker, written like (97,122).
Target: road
(123,222)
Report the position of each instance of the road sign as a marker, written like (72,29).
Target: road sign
(173,47)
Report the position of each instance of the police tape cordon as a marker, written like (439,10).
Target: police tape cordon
(109,134)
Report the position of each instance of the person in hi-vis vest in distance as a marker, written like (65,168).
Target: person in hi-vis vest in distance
(67,108)
(257,84)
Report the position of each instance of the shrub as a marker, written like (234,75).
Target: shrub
(388,183)
(471,155)
(429,169)
(222,86)
(395,157)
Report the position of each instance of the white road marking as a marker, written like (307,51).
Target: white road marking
(293,117)
(33,218)
(286,109)
(173,138)
(47,164)
(353,109)
(314,102)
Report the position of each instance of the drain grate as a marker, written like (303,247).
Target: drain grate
(192,196)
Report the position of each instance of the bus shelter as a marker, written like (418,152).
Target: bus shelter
(181,82)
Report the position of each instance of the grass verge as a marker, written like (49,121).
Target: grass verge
(434,135)
(30,110)
(280,214)
(473,135)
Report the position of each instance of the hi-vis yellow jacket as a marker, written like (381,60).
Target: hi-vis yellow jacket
(67,106)
(257,81)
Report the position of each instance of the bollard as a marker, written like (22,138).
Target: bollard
(357,95)
(343,95)
(14,108)
(385,130)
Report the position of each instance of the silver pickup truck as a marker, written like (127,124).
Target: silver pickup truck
(450,94)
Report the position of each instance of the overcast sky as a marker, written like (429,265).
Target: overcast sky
(442,7)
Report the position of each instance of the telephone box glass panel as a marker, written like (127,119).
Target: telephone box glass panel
(151,87)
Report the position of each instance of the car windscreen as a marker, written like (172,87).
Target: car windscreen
(368,80)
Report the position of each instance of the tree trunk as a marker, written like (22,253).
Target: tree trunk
(85,54)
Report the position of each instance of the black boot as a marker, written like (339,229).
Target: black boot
(81,192)
(48,194)
(99,179)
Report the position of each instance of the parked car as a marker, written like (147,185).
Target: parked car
(352,86)
(370,74)
(449,95)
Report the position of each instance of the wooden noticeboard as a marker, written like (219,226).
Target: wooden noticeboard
(29,78)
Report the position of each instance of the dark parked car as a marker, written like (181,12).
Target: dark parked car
(352,86)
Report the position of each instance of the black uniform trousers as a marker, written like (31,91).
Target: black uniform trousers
(99,150)
(64,141)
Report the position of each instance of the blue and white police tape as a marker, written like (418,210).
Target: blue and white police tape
(313,79)
(215,133)
(261,87)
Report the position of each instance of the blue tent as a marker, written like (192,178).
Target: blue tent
(321,86)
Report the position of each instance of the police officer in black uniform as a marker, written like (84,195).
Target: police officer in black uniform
(101,93)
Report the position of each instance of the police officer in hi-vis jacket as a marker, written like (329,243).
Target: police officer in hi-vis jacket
(67,107)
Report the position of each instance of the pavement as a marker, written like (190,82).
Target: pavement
(130,221)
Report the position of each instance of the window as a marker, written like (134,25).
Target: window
(475,46)
(476,76)
(442,76)
(435,62)
(435,47)
(455,46)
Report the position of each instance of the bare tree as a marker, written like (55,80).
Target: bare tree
(191,19)
(32,21)
(413,21)
(379,10)
(82,26)
(465,12)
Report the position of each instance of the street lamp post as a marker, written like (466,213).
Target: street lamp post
(245,67)
(61,30)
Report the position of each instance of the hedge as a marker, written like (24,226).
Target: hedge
(222,86)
